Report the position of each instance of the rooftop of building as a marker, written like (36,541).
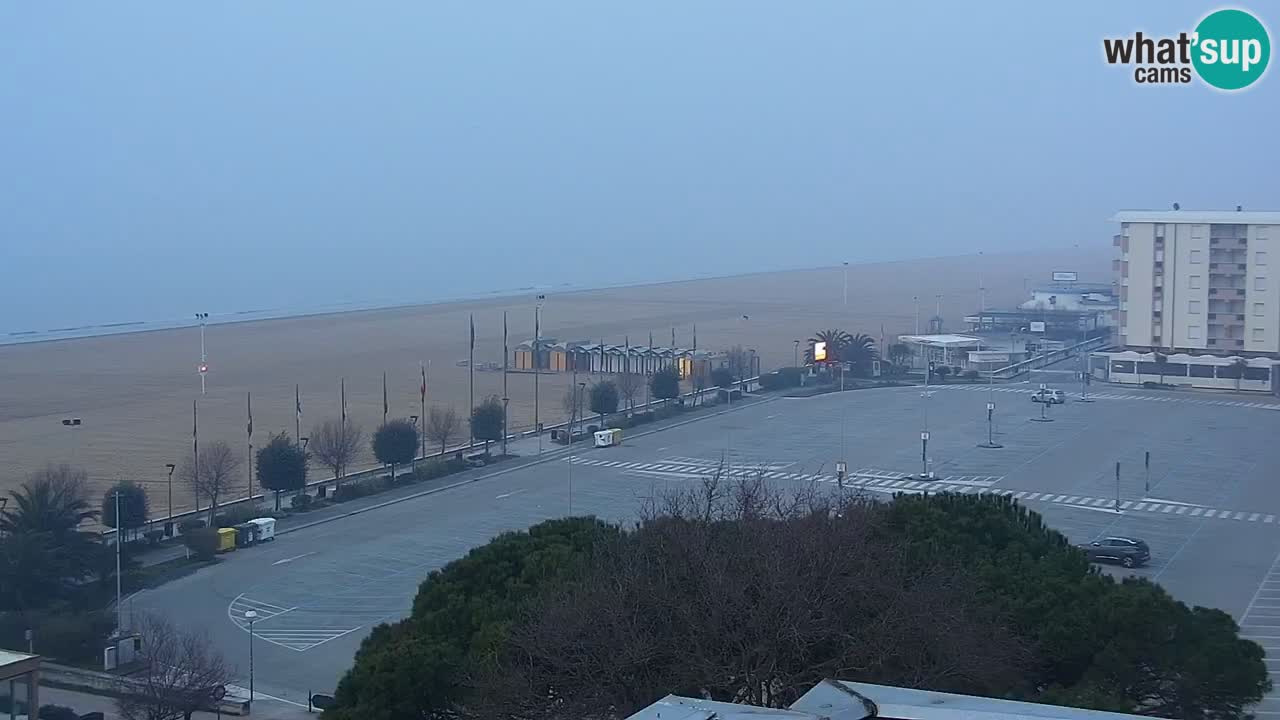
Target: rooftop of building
(1213,217)
(839,700)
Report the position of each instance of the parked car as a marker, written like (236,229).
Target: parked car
(1052,397)
(1129,552)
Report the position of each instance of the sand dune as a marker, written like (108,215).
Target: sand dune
(134,392)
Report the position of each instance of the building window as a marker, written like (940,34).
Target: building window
(1257,334)
(1200,371)
(1259,309)
(1122,366)
(1260,257)
(1193,307)
(1260,283)
(1257,373)
(1193,282)
(1195,257)
(1193,332)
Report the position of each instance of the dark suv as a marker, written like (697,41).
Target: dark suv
(1129,552)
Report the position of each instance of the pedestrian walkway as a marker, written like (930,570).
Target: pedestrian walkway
(893,482)
(1261,624)
(1023,390)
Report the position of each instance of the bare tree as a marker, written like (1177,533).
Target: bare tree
(336,444)
(443,424)
(738,360)
(181,674)
(629,385)
(749,592)
(218,468)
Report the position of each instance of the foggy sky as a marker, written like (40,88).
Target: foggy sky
(161,158)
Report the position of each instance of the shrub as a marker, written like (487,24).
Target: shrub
(203,542)
(65,637)
(237,515)
(971,374)
(359,489)
(190,525)
(57,712)
(153,537)
(301,501)
(432,469)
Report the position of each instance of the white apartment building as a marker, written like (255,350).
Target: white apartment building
(1198,284)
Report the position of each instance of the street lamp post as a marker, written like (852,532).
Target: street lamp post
(250,615)
(413,420)
(203,369)
(846,284)
(505,401)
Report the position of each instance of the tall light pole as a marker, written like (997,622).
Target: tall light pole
(537,359)
(846,284)
(796,360)
(203,368)
(924,432)
(250,615)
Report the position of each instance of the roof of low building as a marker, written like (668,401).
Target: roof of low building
(1223,217)
(840,699)
(941,340)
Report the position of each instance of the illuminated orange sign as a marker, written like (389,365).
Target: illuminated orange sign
(820,351)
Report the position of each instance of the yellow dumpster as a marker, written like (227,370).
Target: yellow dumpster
(226,539)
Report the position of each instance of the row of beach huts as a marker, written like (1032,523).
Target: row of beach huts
(551,355)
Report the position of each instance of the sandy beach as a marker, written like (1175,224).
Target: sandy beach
(134,392)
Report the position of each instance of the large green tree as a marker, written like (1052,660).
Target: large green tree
(133,506)
(488,420)
(665,384)
(604,399)
(419,666)
(46,550)
(282,466)
(395,442)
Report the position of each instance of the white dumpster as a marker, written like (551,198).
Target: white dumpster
(266,528)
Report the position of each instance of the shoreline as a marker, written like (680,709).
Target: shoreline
(132,327)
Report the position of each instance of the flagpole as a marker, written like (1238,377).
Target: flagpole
(471,380)
(297,417)
(505,398)
(249,471)
(344,402)
(422,431)
(384,398)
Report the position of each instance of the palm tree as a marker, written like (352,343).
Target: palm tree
(899,354)
(1162,363)
(836,340)
(54,501)
(859,351)
(42,526)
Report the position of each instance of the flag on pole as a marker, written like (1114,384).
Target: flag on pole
(250,407)
(422,390)
(297,402)
(473,332)
(385,406)
(695,337)
(195,429)
(344,401)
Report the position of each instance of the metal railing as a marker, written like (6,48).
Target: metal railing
(1049,358)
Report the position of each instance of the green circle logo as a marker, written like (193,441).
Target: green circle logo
(1232,49)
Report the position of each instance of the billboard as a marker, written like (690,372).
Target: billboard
(820,351)
(1037,326)
(1065,276)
